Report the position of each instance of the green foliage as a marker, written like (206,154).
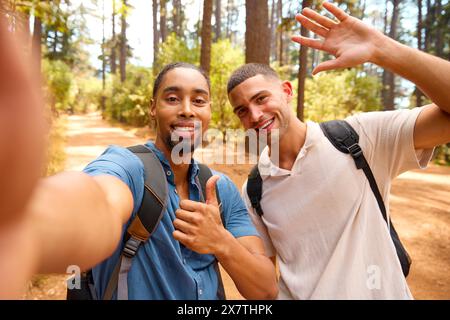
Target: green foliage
(335,95)
(58,82)
(129,102)
(86,93)
(175,49)
(224,60)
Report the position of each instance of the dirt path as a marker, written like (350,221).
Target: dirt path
(420,207)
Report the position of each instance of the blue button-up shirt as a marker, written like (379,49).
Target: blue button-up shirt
(163,268)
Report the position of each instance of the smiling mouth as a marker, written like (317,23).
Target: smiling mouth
(265,124)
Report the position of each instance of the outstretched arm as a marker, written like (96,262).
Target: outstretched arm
(45,224)
(353,42)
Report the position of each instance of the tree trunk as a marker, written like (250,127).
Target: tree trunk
(218,22)
(123,42)
(272,26)
(113,40)
(205,54)
(303,63)
(229,17)
(280,33)
(162,19)
(177,20)
(428,27)
(36,50)
(439,43)
(257,37)
(103,100)
(417,91)
(389,77)
(155,33)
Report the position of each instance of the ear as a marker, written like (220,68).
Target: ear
(152,107)
(288,90)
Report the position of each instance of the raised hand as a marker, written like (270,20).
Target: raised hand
(350,40)
(198,225)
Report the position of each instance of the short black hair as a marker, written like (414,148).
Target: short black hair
(175,65)
(247,71)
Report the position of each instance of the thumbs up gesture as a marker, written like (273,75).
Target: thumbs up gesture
(198,225)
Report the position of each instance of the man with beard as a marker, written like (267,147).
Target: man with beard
(78,218)
(178,261)
(317,213)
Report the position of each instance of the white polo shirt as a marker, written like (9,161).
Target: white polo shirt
(322,221)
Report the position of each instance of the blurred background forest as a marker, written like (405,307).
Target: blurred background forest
(84,72)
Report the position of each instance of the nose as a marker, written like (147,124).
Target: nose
(186,110)
(255,114)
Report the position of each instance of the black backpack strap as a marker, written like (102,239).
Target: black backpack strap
(344,138)
(203,175)
(254,189)
(144,223)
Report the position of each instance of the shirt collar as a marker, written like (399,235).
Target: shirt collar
(268,168)
(193,168)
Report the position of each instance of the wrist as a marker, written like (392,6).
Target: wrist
(384,47)
(224,243)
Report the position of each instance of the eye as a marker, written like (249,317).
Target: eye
(172,99)
(241,112)
(261,99)
(200,101)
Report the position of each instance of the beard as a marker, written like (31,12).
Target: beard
(182,143)
(182,148)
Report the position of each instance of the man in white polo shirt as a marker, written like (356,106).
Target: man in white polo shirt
(320,216)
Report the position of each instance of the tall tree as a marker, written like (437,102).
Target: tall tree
(272,25)
(155,33)
(36,50)
(162,19)
(280,41)
(205,54)
(303,66)
(123,41)
(257,36)
(177,18)
(103,99)
(417,91)
(388,90)
(113,40)
(218,20)
(439,45)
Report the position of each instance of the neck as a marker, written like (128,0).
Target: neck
(291,141)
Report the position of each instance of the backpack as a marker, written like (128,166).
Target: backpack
(344,138)
(141,228)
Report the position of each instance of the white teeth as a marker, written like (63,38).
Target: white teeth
(184,128)
(267,124)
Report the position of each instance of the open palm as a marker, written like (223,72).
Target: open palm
(349,40)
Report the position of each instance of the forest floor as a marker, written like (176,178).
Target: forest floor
(420,209)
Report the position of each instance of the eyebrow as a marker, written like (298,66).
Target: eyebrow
(178,89)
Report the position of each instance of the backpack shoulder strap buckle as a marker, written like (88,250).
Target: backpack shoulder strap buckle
(355,150)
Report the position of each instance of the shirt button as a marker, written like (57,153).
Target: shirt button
(169,173)
(200,291)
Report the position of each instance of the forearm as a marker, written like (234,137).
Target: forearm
(431,74)
(254,274)
(74,222)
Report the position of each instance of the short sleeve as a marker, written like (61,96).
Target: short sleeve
(237,220)
(388,137)
(123,164)
(259,224)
